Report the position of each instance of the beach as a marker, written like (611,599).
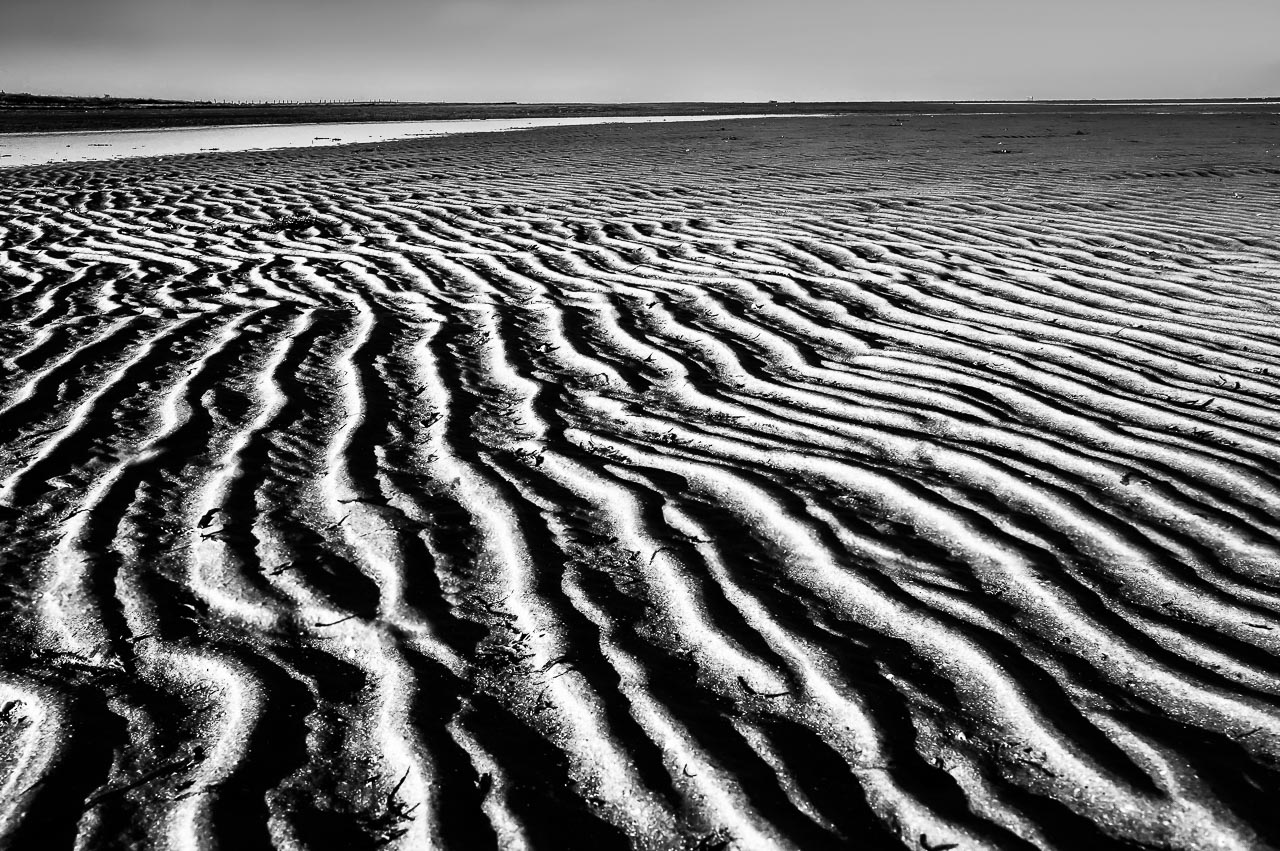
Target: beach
(887,481)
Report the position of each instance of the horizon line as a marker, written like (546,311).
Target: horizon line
(352,101)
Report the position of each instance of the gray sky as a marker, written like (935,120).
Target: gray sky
(645,50)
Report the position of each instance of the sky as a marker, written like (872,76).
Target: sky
(643,50)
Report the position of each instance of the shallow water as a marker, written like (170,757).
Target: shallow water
(21,149)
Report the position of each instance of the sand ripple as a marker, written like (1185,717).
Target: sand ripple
(793,484)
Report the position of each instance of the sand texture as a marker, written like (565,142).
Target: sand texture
(807,483)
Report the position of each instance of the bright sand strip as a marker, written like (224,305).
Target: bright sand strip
(21,149)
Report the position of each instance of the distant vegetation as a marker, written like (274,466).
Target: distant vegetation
(23,99)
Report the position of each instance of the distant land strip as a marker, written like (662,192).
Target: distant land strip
(27,113)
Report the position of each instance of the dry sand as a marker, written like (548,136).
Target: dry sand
(852,482)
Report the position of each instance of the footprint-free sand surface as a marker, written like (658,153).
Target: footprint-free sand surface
(858,482)
(24,149)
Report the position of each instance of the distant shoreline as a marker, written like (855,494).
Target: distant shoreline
(36,113)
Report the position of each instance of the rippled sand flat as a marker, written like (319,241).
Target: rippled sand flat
(814,483)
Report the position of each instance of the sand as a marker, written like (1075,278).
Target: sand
(851,482)
(25,149)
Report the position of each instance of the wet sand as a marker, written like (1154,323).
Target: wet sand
(26,149)
(853,482)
